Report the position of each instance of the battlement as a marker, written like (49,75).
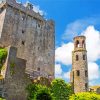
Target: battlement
(28,9)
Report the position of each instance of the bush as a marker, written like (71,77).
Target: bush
(39,92)
(3,55)
(60,89)
(43,93)
(85,96)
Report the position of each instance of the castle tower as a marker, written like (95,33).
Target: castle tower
(79,73)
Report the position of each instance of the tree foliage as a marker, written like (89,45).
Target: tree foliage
(60,89)
(85,96)
(43,93)
(3,55)
(39,92)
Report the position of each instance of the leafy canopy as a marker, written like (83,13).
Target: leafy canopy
(39,92)
(60,89)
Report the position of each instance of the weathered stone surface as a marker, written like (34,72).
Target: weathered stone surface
(79,66)
(31,34)
(33,37)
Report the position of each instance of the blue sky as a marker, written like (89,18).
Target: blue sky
(72,18)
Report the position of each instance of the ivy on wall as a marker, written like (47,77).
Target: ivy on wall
(3,55)
(12,66)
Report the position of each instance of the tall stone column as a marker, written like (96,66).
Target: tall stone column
(79,73)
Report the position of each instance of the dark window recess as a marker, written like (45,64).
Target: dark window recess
(38,25)
(38,69)
(86,85)
(23,31)
(77,43)
(78,73)
(23,42)
(38,48)
(77,58)
(1,10)
(84,57)
(86,73)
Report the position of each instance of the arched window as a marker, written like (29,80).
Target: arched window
(84,57)
(83,43)
(78,73)
(86,73)
(38,69)
(86,86)
(77,43)
(77,58)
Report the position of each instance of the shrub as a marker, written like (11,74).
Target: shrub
(85,96)
(60,89)
(39,92)
(3,55)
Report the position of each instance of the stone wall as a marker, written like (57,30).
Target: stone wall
(79,73)
(31,34)
(15,80)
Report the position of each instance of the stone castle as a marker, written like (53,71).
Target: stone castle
(29,40)
(79,72)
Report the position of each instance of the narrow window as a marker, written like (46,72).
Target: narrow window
(83,44)
(78,73)
(23,42)
(38,69)
(86,85)
(84,57)
(86,73)
(38,25)
(38,48)
(77,58)
(77,43)
(23,31)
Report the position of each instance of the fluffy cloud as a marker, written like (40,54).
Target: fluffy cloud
(92,43)
(94,72)
(36,8)
(58,71)
(75,28)
(66,75)
(63,54)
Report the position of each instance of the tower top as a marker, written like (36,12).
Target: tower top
(79,43)
(79,37)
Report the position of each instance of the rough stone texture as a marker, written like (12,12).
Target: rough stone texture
(33,37)
(79,82)
(13,84)
(31,34)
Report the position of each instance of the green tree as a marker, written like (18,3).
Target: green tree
(39,92)
(60,89)
(85,96)
(43,93)
(32,90)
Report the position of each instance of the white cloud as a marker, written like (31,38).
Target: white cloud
(63,54)
(92,43)
(58,71)
(94,72)
(75,28)
(66,75)
(36,8)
